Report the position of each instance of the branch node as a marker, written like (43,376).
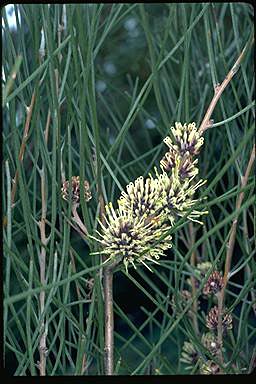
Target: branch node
(216,88)
(235,69)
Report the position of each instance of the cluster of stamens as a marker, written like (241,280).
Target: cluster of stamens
(137,230)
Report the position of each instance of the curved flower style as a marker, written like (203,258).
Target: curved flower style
(129,238)
(187,139)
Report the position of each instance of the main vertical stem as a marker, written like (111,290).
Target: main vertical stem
(42,259)
(42,262)
(109,321)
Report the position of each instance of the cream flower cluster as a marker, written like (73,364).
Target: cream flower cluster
(137,230)
(130,238)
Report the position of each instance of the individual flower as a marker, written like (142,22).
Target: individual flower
(187,139)
(169,161)
(212,320)
(143,198)
(189,355)
(73,193)
(210,342)
(185,165)
(214,283)
(178,197)
(209,367)
(130,239)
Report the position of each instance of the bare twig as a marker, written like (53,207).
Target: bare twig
(107,291)
(23,145)
(219,327)
(76,228)
(108,301)
(108,306)
(230,246)
(42,260)
(207,123)
(219,88)
(78,221)
(231,243)
(109,321)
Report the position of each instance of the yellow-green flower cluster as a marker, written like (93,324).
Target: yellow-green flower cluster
(142,198)
(177,196)
(180,156)
(130,238)
(137,230)
(188,139)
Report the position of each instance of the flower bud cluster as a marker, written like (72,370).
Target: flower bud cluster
(73,191)
(212,320)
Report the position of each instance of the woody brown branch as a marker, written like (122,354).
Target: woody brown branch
(23,145)
(42,259)
(219,88)
(206,123)
(230,246)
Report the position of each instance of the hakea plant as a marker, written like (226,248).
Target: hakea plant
(137,230)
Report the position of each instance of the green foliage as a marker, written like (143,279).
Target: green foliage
(111,82)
